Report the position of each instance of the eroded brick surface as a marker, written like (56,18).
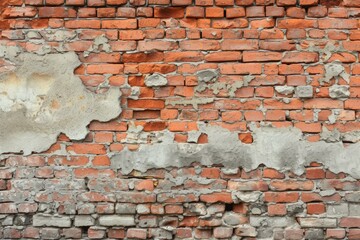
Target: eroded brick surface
(184,67)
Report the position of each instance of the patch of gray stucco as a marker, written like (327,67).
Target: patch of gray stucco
(195,102)
(135,134)
(156,80)
(101,43)
(330,136)
(42,98)
(57,35)
(334,70)
(333,116)
(207,75)
(279,148)
(326,49)
(304,91)
(208,79)
(135,92)
(351,137)
(286,90)
(339,91)
(336,136)
(193,136)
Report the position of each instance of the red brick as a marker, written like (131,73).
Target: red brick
(255,11)
(120,24)
(199,45)
(277,210)
(231,23)
(224,197)
(297,23)
(31,232)
(323,103)
(315,173)
(252,56)
(214,12)
(354,233)
(294,12)
(273,11)
(349,222)
(75,2)
(96,3)
(281,197)
(336,233)
(315,208)
(105,69)
(308,127)
(169,12)
(56,12)
(241,68)
(285,2)
(223,232)
(223,56)
(174,209)
(73,24)
(296,57)
(308,2)
(338,23)
(94,233)
(7,208)
(195,12)
(136,233)
(224,2)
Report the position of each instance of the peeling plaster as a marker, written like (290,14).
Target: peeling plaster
(101,43)
(156,80)
(42,98)
(279,148)
(208,79)
(334,70)
(195,102)
(325,50)
(339,91)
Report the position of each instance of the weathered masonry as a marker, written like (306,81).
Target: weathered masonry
(180,119)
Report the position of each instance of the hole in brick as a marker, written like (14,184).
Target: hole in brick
(229,207)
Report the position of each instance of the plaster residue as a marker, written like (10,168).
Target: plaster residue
(326,49)
(334,70)
(208,79)
(42,98)
(279,148)
(195,102)
(101,43)
(156,80)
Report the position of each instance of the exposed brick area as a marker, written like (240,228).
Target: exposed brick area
(282,53)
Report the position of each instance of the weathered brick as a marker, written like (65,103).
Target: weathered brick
(40,220)
(318,222)
(116,220)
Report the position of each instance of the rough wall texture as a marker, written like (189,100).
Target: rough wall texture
(239,119)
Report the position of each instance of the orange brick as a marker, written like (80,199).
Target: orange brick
(224,197)
(214,12)
(315,208)
(281,197)
(277,210)
(315,173)
(182,126)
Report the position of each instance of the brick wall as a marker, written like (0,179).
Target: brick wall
(235,65)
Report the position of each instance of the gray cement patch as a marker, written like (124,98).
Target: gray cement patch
(279,148)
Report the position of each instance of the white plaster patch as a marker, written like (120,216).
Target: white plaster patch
(42,98)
